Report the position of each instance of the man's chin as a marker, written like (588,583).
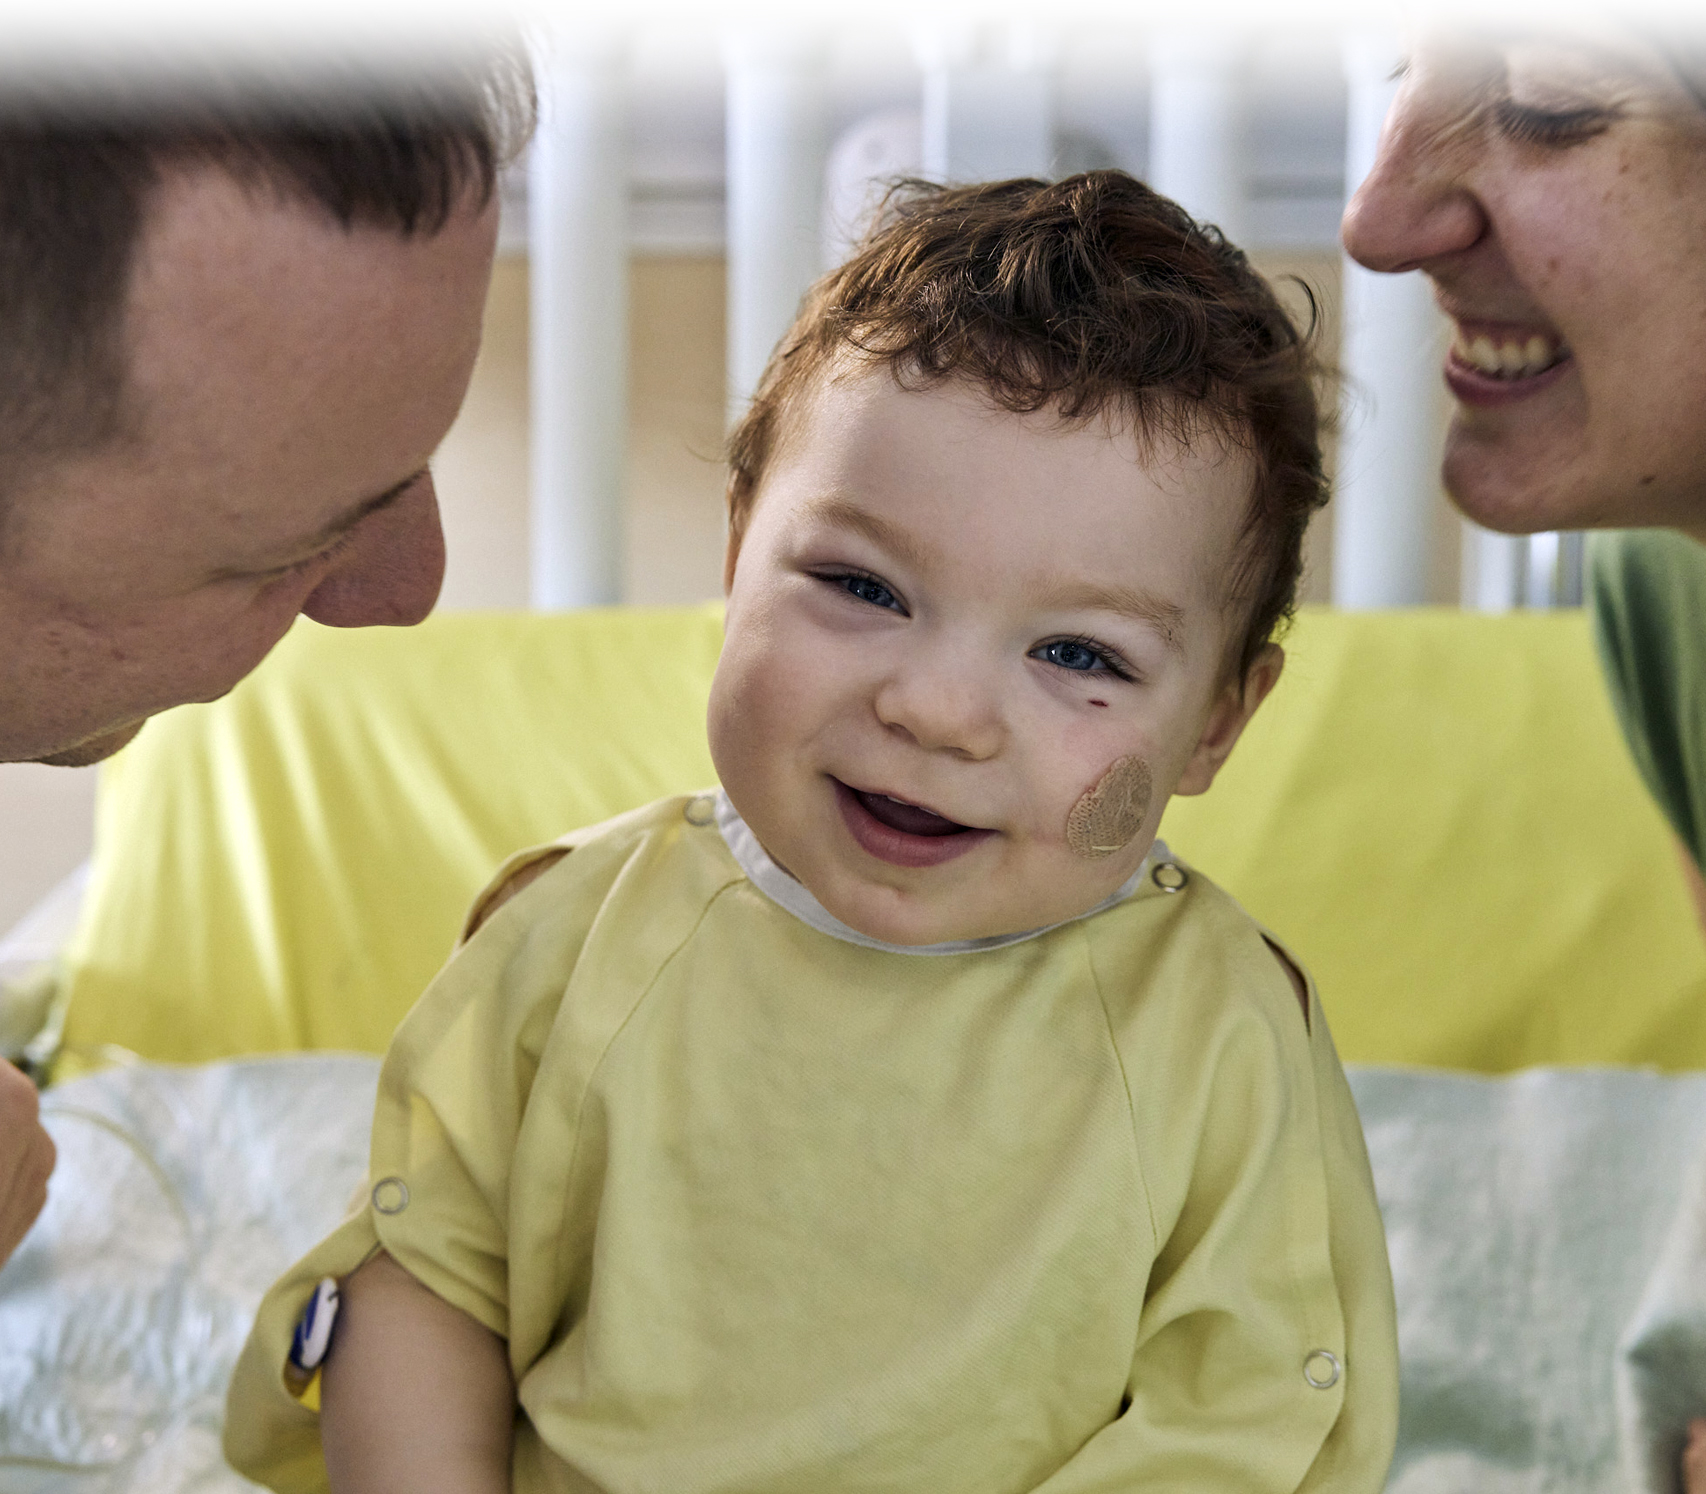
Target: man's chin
(93,749)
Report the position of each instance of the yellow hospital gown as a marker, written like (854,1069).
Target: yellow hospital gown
(760,1210)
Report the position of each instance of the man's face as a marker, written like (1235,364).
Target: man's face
(286,382)
(946,623)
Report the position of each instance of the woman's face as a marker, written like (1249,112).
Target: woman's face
(1554,190)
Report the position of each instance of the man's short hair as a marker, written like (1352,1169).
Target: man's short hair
(1087,297)
(394,147)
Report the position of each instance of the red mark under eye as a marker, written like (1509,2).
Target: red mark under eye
(1102,703)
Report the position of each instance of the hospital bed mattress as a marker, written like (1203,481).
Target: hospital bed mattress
(1544,1229)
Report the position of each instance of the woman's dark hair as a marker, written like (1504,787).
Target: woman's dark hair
(80,155)
(1088,296)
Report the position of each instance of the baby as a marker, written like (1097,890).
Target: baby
(901,1116)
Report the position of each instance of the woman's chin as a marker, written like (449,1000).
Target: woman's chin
(1508,482)
(1516,481)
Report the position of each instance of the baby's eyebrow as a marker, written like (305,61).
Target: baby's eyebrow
(1167,618)
(839,513)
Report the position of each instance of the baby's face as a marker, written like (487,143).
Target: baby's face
(946,624)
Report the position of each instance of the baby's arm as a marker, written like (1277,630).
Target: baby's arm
(415,1396)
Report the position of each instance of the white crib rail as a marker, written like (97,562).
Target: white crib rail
(988,104)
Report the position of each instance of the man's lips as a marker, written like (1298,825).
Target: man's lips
(900,832)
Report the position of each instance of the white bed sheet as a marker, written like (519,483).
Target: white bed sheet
(1525,1217)
(1534,1223)
(181,1194)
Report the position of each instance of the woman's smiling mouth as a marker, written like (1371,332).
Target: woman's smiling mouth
(1491,364)
(902,833)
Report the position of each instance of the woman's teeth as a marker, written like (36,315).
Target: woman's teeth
(1508,358)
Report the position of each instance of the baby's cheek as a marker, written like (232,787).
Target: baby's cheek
(1109,815)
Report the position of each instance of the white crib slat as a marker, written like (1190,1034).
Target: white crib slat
(988,101)
(1393,340)
(1196,128)
(578,251)
(776,144)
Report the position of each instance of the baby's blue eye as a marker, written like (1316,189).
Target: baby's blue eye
(868,589)
(1068,653)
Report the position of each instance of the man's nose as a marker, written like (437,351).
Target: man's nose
(944,705)
(390,573)
(1416,205)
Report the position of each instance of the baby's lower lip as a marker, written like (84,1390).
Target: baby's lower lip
(901,847)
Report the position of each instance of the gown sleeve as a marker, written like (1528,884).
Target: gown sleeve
(452,1093)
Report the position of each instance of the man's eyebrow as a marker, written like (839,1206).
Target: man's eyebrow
(1167,618)
(839,513)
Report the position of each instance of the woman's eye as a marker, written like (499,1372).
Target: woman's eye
(1080,657)
(1530,125)
(868,589)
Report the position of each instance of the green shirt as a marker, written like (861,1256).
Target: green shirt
(1647,591)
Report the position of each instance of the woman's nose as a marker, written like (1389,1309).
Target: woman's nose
(944,707)
(390,574)
(1416,205)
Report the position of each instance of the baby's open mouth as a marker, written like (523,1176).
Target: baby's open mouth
(903,833)
(911,819)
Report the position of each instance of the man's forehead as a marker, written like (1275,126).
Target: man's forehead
(282,374)
(255,325)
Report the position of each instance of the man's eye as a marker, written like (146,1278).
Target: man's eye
(1530,125)
(1080,656)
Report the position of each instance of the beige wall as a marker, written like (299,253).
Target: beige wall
(481,469)
(1321,270)
(673,510)
(46,823)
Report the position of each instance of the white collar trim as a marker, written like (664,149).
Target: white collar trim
(792,895)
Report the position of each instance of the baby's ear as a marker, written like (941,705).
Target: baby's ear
(1233,708)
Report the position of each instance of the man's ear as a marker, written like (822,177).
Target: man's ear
(1233,708)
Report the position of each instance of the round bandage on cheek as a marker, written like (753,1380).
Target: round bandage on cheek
(1107,817)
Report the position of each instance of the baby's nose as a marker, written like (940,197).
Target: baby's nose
(944,710)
